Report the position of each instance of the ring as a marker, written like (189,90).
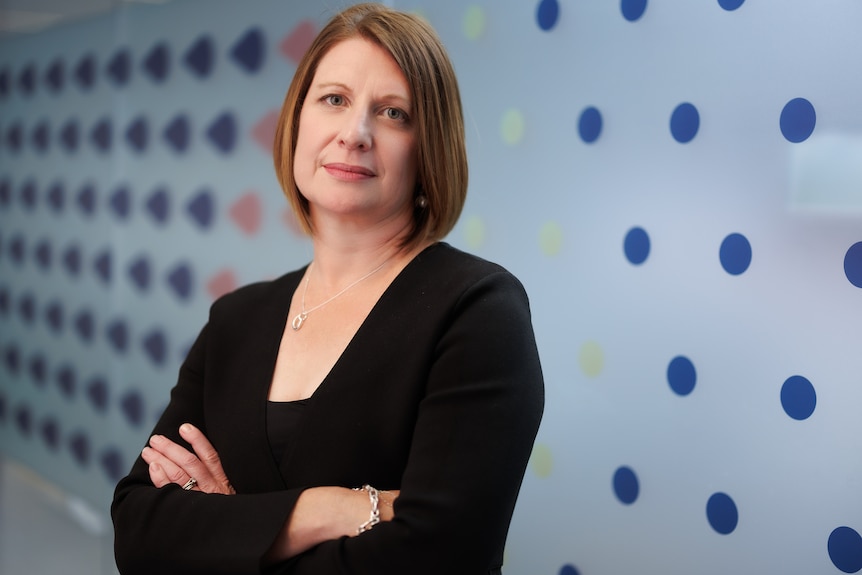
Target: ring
(190,483)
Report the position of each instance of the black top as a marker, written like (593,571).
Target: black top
(282,423)
(439,394)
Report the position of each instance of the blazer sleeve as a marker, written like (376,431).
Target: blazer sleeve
(169,530)
(472,440)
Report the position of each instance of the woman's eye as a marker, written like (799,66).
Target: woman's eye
(334,100)
(395,114)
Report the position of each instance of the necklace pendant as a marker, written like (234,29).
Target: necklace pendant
(298,321)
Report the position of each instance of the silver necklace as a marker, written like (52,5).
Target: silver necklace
(303,315)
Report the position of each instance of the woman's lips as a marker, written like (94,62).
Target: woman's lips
(348,171)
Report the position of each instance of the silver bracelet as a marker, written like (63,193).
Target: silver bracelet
(374,519)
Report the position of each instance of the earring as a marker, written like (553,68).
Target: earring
(421,201)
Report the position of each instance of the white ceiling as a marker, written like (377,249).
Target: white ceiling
(28,16)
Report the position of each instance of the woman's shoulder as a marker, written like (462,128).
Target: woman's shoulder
(445,266)
(455,261)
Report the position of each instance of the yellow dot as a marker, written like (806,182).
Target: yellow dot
(474,22)
(551,238)
(591,358)
(512,127)
(474,232)
(542,460)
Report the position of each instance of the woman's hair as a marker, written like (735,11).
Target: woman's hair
(437,115)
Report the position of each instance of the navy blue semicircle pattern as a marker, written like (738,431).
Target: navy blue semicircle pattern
(222,132)
(55,76)
(200,57)
(157,63)
(119,67)
(249,52)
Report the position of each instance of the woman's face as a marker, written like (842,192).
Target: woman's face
(355,159)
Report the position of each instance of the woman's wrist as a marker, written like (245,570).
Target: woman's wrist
(374,515)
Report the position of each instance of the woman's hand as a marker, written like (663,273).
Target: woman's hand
(172,463)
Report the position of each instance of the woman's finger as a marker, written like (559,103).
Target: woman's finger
(207,454)
(178,462)
(158,475)
(163,470)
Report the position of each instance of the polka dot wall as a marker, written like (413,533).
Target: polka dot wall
(676,183)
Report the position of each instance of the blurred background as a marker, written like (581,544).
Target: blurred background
(678,183)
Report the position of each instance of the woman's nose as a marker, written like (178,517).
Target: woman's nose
(356,131)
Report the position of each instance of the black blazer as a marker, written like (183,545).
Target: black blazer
(439,394)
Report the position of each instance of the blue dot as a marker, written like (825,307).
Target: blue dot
(721,513)
(730,5)
(120,202)
(50,431)
(67,381)
(797,120)
(102,135)
(98,393)
(119,67)
(684,123)
(249,50)
(38,367)
(72,260)
(85,325)
(626,485)
(54,77)
(636,246)
(201,208)
(181,280)
(590,125)
(85,72)
(735,254)
(24,420)
(86,199)
(54,316)
(132,406)
(117,334)
(798,397)
(113,464)
(137,134)
(177,133)
(57,197)
(69,135)
(157,62)
(569,570)
(139,272)
(159,205)
(633,9)
(681,375)
(222,133)
(853,264)
(845,549)
(79,444)
(155,345)
(199,58)
(547,14)
(27,80)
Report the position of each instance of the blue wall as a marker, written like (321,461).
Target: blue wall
(677,183)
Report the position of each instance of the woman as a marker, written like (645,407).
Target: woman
(373,412)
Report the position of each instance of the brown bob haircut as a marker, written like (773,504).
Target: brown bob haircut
(437,115)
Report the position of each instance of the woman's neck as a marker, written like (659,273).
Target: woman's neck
(339,261)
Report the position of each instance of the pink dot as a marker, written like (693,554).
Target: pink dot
(246,213)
